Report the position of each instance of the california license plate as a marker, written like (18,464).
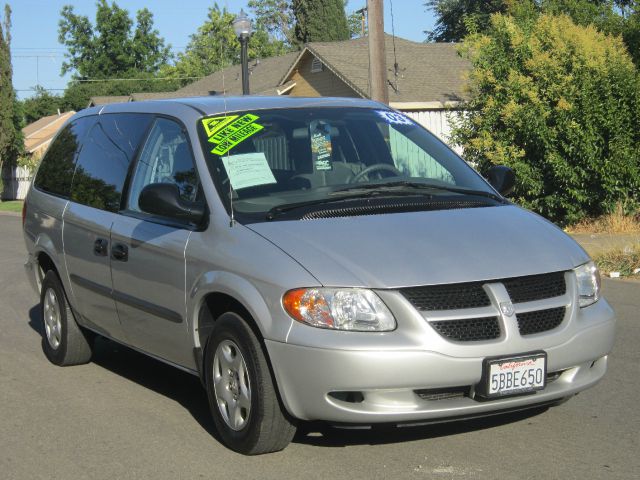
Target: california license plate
(514,375)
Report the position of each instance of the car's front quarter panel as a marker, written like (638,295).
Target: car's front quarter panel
(235,261)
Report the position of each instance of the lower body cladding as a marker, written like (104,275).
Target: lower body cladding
(376,386)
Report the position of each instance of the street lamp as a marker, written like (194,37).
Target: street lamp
(242,27)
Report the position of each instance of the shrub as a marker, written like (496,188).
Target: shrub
(558,103)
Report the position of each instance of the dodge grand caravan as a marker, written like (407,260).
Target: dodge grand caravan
(308,259)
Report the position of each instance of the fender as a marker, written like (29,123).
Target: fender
(245,293)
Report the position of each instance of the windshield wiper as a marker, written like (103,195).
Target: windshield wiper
(285,207)
(383,187)
(400,188)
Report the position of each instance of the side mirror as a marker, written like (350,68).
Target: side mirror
(502,179)
(163,199)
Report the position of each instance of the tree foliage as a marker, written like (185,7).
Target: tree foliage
(78,92)
(559,103)
(276,17)
(324,21)
(40,104)
(215,46)
(10,134)
(112,47)
(354,21)
(457,18)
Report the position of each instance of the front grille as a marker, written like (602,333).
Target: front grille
(447,297)
(535,287)
(459,296)
(469,329)
(540,320)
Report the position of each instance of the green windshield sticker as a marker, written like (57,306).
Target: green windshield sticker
(212,125)
(227,132)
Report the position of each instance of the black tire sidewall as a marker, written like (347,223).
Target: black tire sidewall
(232,327)
(55,355)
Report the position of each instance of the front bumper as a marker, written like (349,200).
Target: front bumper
(384,386)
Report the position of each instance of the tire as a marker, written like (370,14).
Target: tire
(244,404)
(63,342)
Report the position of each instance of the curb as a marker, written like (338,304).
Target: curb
(10,214)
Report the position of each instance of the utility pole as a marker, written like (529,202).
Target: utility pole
(377,56)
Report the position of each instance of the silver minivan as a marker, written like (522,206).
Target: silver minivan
(309,259)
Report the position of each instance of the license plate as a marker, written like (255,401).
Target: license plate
(514,375)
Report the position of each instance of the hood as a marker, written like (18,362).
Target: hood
(423,248)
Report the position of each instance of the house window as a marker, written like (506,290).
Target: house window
(316,65)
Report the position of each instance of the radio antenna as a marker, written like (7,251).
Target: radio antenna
(232,220)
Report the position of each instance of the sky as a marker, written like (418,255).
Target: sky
(37,56)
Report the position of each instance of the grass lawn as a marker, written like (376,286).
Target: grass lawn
(11,206)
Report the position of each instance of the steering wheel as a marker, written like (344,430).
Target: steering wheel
(375,168)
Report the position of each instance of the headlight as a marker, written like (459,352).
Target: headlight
(353,309)
(588,278)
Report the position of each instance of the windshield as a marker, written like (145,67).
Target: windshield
(268,161)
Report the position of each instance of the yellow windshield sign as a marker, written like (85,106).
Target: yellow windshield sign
(227,132)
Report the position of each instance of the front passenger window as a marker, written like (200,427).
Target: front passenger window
(166,158)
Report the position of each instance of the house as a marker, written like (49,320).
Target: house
(37,137)
(426,81)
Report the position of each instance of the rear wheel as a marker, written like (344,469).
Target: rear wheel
(63,342)
(242,396)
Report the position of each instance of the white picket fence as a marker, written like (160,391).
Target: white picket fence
(16,182)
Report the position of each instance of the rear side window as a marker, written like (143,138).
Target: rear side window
(104,160)
(56,170)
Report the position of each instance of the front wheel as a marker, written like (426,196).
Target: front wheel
(242,396)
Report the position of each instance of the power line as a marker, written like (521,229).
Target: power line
(97,80)
(132,79)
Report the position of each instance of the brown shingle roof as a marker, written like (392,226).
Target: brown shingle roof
(139,97)
(265,76)
(107,99)
(39,133)
(427,72)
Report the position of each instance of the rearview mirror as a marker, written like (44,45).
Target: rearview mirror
(164,199)
(502,178)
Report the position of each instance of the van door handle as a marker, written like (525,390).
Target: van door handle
(120,252)
(100,247)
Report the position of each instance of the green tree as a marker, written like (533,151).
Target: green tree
(78,92)
(317,21)
(457,18)
(631,31)
(39,105)
(215,46)
(559,103)
(276,17)
(10,134)
(354,20)
(110,48)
